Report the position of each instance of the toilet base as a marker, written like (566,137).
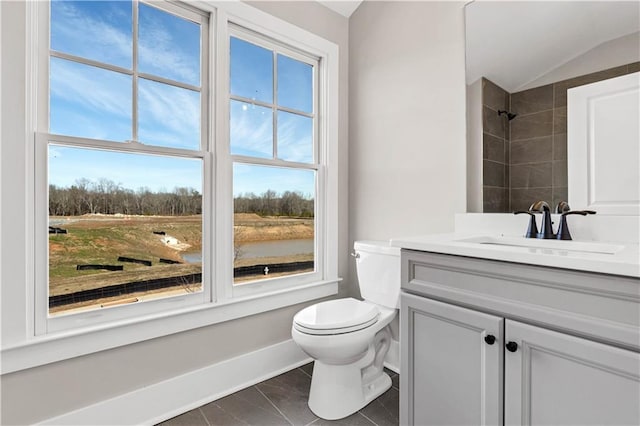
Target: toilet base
(337,391)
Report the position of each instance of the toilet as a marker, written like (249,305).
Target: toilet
(349,338)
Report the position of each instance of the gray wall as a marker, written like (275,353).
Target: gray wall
(402,172)
(46,391)
(407,118)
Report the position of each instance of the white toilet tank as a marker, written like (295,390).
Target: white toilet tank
(378,267)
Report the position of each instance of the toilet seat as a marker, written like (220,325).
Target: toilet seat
(336,317)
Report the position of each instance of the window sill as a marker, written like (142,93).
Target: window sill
(65,345)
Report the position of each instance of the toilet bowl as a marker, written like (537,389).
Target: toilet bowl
(349,338)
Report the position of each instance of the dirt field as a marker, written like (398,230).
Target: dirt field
(100,239)
(251,227)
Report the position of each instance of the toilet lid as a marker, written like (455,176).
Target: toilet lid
(340,315)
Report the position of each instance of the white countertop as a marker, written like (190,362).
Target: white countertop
(623,260)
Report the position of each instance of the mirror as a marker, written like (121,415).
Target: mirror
(521,57)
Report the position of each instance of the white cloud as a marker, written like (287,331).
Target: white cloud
(295,138)
(91,87)
(162,51)
(168,115)
(92,35)
(251,129)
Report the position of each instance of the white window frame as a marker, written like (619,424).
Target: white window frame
(232,20)
(316,165)
(25,348)
(44,322)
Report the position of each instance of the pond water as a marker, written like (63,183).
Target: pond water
(263,249)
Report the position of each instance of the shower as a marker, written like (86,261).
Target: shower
(509,115)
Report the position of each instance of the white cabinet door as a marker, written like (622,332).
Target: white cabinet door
(557,379)
(450,374)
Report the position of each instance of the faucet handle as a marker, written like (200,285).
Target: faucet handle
(563,228)
(532,230)
(580,212)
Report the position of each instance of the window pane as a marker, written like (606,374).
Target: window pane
(295,137)
(89,102)
(251,71)
(295,84)
(168,46)
(251,130)
(273,222)
(168,115)
(98,30)
(123,228)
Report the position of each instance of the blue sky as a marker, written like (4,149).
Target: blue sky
(91,102)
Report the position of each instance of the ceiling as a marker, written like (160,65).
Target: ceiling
(343,7)
(514,43)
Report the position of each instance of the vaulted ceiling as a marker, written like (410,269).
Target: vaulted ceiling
(513,43)
(343,7)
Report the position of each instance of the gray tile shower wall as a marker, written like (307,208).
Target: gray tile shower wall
(495,148)
(531,140)
(534,162)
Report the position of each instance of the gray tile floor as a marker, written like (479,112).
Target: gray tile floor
(282,400)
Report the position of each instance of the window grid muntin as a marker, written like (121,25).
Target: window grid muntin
(182,11)
(218,26)
(134,48)
(244,288)
(44,140)
(278,48)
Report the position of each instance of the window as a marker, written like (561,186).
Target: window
(125,154)
(149,138)
(272,138)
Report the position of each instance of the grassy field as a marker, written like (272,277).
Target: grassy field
(99,239)
(251,227)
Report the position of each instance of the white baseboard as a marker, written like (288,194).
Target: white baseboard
(167,399)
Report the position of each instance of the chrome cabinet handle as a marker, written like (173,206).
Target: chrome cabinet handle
(355,254)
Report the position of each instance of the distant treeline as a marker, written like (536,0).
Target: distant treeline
(108,197)
(272,204)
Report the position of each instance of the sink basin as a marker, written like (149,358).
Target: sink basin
(532,243)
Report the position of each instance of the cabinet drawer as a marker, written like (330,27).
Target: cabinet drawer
(596,306)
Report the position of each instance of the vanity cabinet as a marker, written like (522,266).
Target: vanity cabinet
(452,376)
(556,378)
(486,342)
